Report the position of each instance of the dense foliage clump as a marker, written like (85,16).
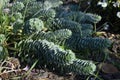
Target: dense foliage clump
(47,31)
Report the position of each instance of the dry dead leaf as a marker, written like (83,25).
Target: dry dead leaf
(4,75)
(15,64)
(108,68)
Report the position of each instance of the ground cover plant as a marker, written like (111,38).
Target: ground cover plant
(49,34)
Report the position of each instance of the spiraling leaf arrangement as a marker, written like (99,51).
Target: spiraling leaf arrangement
(90,43)
(26,1)
(18,6)
(47,23)
(33,25)
(87,33)
(94,18)
(87,26)
(45,14)
(33,8)
(18,15)
(52,53)
(82,17)
(81,67)
(58,35)
(94,43)
(38,8)
(55,55)
(52,3)
(62,24)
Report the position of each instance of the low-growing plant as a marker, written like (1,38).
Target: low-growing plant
(46,31)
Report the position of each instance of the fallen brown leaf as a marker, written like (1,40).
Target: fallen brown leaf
(108,68)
